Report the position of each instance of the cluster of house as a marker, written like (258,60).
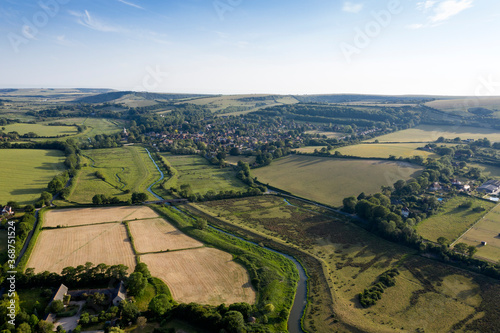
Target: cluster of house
(454,183)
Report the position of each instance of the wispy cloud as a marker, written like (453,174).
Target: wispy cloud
(439,11)
(351,7)
(449,8)
(130,4)
(87,20)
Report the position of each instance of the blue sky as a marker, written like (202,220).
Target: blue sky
(435,47)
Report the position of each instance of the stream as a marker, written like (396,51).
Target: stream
(300,301)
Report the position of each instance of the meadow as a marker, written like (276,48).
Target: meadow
(487,230)
(40,129)
(124,168)
(451,220)
(95,126)
(329,135)
(489,171)
(377,150)
(428,296)
(430,133)
(201,175)
(25,173)
(330,180)
(461,106)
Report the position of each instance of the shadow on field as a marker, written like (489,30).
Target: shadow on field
(49,166)
(25,191)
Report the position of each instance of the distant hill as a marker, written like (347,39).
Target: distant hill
(349,98)
(115,95)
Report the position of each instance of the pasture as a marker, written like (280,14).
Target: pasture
(329,135)
(487,230)
(330,180)
(206,276)
(40,129)
(155,235)
(72,217)
(430,133)
(103,243)
(461,106)
(428,296)
(451,220)
(201,175)
(489,171)
(124,168)
(25,173)
(377,150)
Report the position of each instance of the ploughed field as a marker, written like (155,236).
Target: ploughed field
(194,273)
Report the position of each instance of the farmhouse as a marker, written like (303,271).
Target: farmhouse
(490,187)
(59,296)
(7,210)
(120,294)
(436,187)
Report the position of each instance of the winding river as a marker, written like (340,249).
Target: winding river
(300,301)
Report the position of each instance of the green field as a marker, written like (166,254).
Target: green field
(95,126)
(428,296)
(124,168)
(489,171)
(25,173)
(461,106)
(429,133)
(40,129)
(487,230)
(330,180)
(201,175)
(329,135)
(377,150)
(452,221)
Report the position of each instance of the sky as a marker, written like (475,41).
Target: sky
(433,47)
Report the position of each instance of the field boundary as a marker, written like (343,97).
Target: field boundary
(474,226)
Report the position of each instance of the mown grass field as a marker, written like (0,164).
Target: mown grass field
(25,173)
(329,135)
(124,168)
(452,221)
(489,171)
(95,126)
(428,296)
(330,180)
(386,150)
(487,230)
(201,175)
(429,133)
(40,130)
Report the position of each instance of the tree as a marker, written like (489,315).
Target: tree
(143,268)
(234,322)
(24,328)
(141,322)
(137,284)
(443,241)
(461,248)
(129,311)
(116,330)
(159,305)
(45,197)
(57,306)
(200,223)
(138,197)
(471,251)
(349,204)
(45,327)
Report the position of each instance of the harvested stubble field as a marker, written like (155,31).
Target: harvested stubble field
(25,173)
(330,180)
(487,230)
(377,150)
(59,248)
(157,235)
(428,296)
(205,275)
(84,216)
(451,221)
(429,133)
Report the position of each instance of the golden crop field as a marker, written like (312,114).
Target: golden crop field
(83,216)
(429,133)
(378,150)
(155,235)
(59,248)
(206,276)
(487,230)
